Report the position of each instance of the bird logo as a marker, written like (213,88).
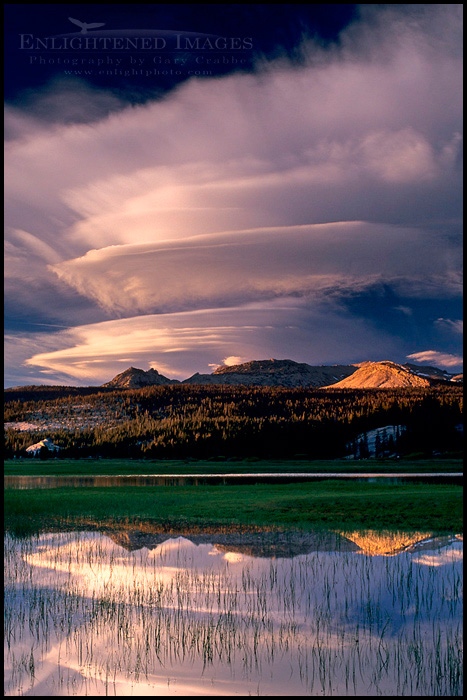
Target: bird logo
(85,25)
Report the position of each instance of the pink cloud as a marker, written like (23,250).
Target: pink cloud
(442,359)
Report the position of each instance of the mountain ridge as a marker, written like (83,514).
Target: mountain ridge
(272,372)
(288,373)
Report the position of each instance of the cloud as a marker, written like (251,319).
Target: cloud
(402,157)
(67,100)
(437,358)
(230,268)
(453,325)
(18,348)
(179,344)
(229,361)
(406,310)
(233,360)
(318,180)
(343,137)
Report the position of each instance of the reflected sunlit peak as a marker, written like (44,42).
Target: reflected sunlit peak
(385,542)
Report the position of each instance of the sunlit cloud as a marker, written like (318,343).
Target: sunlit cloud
(229,268)
(437,358)
(320,180)
(229,361)
(180,343)
(233,360)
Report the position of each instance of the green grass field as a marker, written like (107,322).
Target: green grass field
(125,466)
(339,504)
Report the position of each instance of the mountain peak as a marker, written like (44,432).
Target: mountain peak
(134,378)
(274,372)
(381,375)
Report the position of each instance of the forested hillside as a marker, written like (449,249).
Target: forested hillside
(185,421)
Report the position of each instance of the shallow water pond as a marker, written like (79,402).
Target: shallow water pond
(88,613)
(68,481)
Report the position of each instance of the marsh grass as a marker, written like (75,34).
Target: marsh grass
(102,620)
(337,504)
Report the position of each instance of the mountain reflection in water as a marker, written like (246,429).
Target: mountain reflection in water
(290,543)
(145,613)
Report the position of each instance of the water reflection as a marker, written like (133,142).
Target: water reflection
(48,482)
(89,614)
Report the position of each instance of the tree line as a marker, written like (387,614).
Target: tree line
(191,421)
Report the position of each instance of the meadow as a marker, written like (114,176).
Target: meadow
(333,587)
(343,504)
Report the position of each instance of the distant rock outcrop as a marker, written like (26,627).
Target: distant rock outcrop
(432,372)
(272,372)
(133,378)
(35,449)
(381,375)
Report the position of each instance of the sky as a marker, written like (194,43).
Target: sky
(194,185)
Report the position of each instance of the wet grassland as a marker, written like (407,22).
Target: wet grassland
(91,613)
(329,587)
(340,503)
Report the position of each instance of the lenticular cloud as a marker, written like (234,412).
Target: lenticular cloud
(321,180)
(318,261)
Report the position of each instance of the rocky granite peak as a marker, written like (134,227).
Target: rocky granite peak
(274,372)
(381,375)
(134,378)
